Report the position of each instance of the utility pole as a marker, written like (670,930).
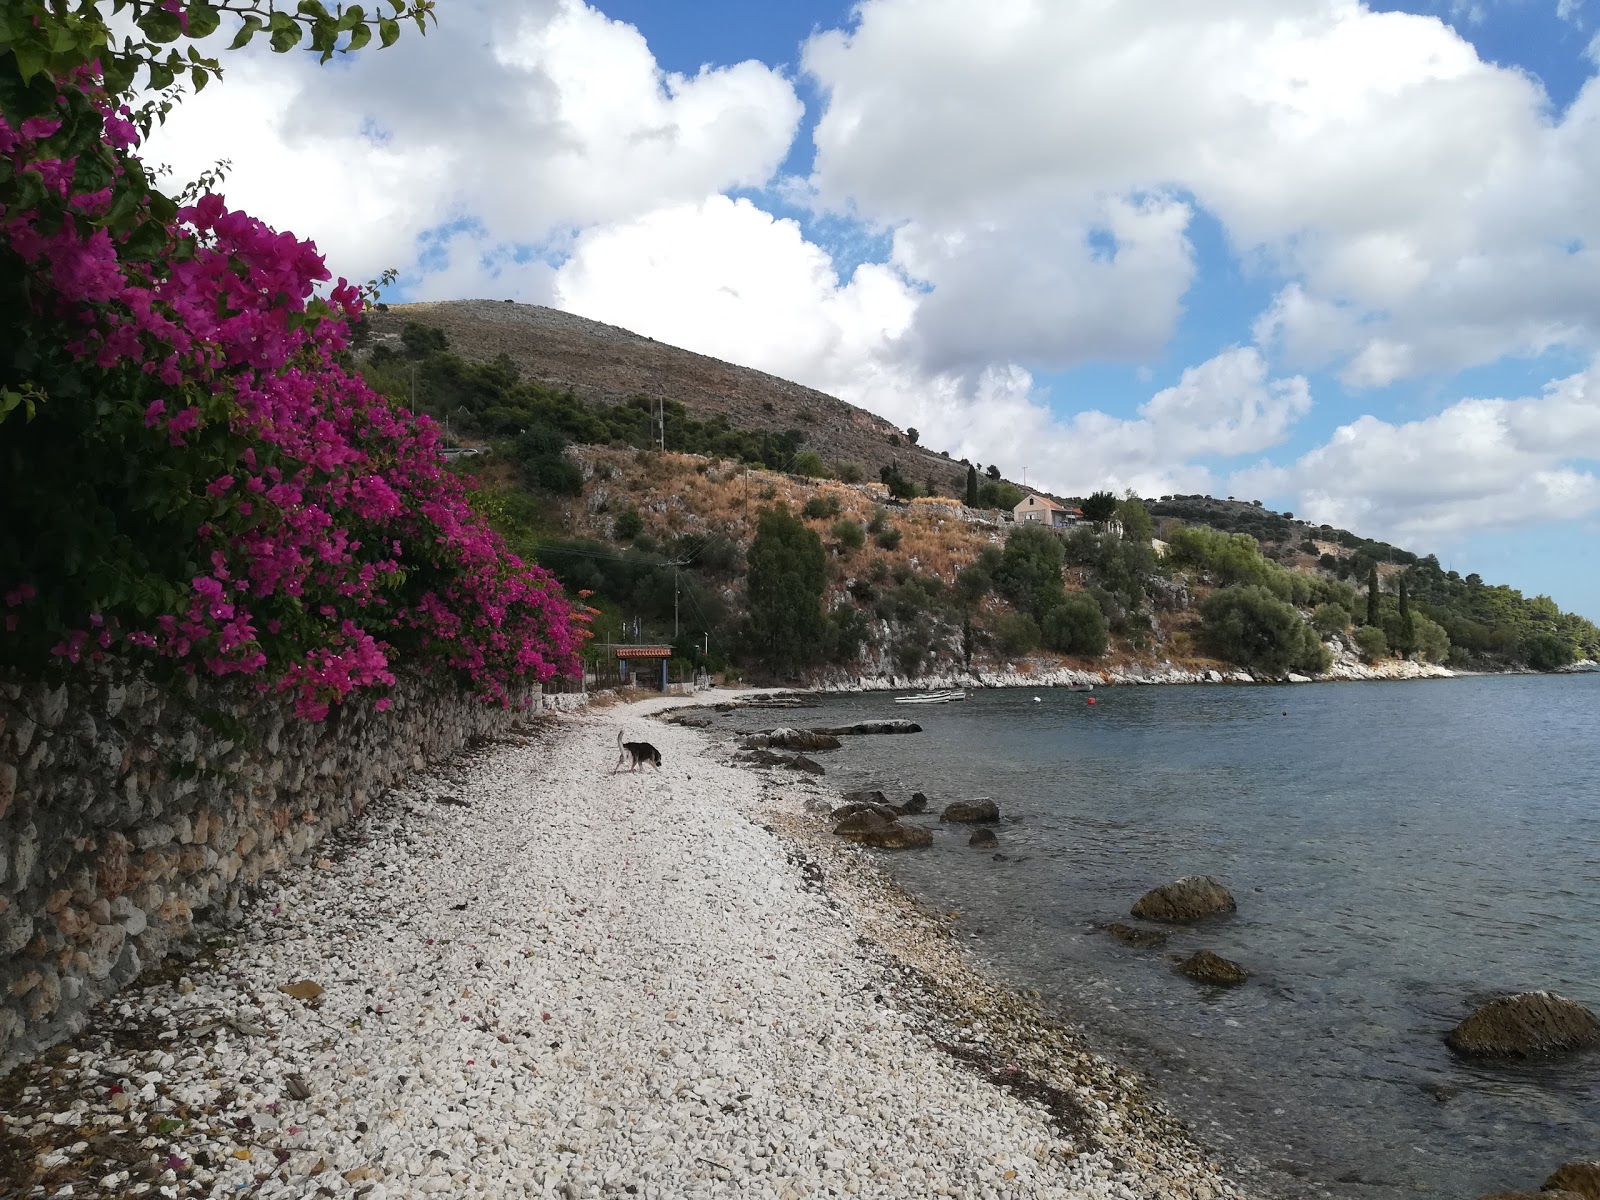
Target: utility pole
(674,602)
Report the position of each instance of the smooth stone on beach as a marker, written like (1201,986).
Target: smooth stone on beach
(1528,1023)
(1186,899)
(969,812)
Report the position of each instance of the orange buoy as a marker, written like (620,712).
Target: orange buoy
(1091,700)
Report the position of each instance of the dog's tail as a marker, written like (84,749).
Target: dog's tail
(619,739)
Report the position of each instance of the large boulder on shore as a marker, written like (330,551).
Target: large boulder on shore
(1186,899)
(971,812)
(809,740)
(869,828)
(1527,1023)
(862,727)
(1212,968)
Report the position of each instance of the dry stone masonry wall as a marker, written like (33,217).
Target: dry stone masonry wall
(128,814)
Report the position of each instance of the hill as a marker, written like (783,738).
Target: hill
(603,363)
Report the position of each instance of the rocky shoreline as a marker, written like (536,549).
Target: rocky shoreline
(520,976)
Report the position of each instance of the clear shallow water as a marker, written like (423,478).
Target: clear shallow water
(1399,851)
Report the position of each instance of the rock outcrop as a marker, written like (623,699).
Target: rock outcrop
(1186,899)
(1528,1023)
(887,812)
(971,812)
(1213,968)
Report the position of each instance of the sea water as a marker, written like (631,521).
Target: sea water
(1399,852)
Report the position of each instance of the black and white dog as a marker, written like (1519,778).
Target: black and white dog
(640,752)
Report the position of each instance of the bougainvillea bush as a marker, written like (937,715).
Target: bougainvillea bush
(189,479)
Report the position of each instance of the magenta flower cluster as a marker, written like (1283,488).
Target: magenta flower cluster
(334,548)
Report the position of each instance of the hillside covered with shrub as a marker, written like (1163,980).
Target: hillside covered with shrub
(695,545)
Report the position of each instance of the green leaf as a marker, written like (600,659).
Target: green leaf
(360,35)
(203,19)
(312,8)
(160,76)
(251,27)
(388,32)
(159,25)
(286,32)
(199,78)
(30,60)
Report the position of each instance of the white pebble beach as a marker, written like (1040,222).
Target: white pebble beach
(539,979)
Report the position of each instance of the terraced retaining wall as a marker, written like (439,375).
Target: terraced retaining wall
(127,814)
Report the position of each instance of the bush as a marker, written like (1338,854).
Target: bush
(1016,633)
(850,472)
(1076,626)
(889,538)
(1547,652)
(1371,643)
(1250,626)
(1331,618)
(1029,574)
(849,534)
(1432,642)
(627,526)
(821,508)
(810,464)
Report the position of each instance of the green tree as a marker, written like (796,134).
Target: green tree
(972,487)
(1101,506)
(1015,633)
(809,463)
(1249,625)
(1135,518)
(1430,639)
(1029,574)
(899,486)
(993,473)
(1331,618)
(1372,643)
(627,526)
(1547,651)
(912,435)
(850,472)
(820,508)
(888,537)
(784,592)
(1407,641)
(1372,595)
(848,533)
(1076,626)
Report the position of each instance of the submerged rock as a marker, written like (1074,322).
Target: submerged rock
(971,812)
(801,763)
(1186,899)
(862,727)
(1134,936)
(983,837)
(1523,1024)
(1213,968)
(1582,1178)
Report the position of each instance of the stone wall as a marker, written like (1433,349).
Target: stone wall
(128,814)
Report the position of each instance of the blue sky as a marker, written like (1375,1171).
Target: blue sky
(1331,256)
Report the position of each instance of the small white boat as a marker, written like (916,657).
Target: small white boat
(945,697)
(1080,687)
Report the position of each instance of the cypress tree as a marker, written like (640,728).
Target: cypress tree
(784,591)
(1408,624)
(1372,595)
(972,487)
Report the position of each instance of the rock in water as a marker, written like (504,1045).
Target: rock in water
(1213,968)
(1135,936)
(791,739)
(983,837)
(870,828)
(870,727)
(1558,1195)
(887,812)
(1580,1177)
(971,812)
(867,797)
(801,763)
(1186,899)
(1524,1024)
(917,804)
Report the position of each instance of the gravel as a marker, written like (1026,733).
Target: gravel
(524,976)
